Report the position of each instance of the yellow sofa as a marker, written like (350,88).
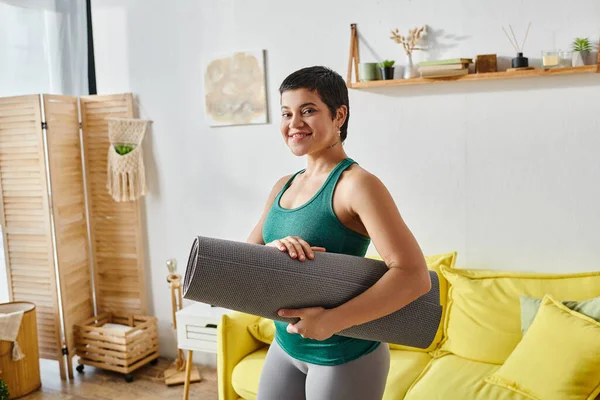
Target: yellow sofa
(481,329)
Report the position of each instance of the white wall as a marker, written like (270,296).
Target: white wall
(504,172)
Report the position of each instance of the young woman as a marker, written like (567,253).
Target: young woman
(332,205)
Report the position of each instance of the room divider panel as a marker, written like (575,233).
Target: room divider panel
(116,226)
(47,193)
(25,218)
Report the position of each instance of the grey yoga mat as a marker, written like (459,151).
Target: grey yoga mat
(260,280)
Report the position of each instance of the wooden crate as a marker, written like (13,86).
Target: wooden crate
(117,350)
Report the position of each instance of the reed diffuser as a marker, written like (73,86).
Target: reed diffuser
(519,61)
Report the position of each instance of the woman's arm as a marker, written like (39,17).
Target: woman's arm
(406,280)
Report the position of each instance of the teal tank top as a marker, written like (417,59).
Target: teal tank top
(316,222)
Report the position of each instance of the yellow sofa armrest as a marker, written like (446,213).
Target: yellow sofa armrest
(234,342)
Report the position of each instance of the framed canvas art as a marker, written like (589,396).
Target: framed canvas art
(235,89)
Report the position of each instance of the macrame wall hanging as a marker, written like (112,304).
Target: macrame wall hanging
(126,174)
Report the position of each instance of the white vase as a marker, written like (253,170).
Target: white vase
(577,59)
(409,70)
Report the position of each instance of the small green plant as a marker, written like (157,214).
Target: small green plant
(581,44)
(4,393)
(386,64)
(123,149)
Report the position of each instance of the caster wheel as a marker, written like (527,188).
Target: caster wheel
(154,362)
(79,368)
(128,378)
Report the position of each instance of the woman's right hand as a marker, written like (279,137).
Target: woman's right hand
(296,247)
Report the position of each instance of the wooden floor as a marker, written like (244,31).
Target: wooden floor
(95,383)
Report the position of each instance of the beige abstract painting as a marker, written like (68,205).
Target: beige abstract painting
(235,89)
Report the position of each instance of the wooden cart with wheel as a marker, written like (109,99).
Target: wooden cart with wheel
(117,342)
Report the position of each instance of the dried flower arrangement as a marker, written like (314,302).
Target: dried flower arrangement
(409,42)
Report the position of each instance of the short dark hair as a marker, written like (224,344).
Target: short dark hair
(328,84)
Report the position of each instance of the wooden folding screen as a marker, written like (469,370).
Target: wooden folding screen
(25,218)
(45,228)
(69,214)
(116,227)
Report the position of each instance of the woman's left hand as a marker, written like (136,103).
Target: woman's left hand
(315,322)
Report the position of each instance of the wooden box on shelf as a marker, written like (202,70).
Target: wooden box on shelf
(117,342)
(485,63)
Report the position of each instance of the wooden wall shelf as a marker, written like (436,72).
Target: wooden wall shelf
(587,69)
(354,60)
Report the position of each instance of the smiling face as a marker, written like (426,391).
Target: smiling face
(307,125)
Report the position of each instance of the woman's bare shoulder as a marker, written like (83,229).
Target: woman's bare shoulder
(357,177)
(281,182)
(278,186)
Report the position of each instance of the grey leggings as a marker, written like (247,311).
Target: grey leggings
(284,377)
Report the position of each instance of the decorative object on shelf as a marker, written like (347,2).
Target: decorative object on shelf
(410,44)
(519,69)
(510,70)
(235,89)
(409,70)
(550,59)
(519,61)
(175,375)
(445,68)
(565,58)
(126,179)
(387,69)
(486,63)
(369,72)
(581,50)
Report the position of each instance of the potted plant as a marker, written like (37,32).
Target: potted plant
(581,50)
(387,69)
(4,394)
(123,148)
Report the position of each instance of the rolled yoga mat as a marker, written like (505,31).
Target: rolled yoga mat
(260,280)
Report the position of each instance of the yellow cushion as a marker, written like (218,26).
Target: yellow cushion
(246,374)
(559,356)
(263,330)
(451,377)
(483,321)
(405,366)
(434,262)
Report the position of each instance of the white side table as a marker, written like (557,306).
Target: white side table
(197,331)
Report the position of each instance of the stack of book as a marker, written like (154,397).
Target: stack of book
(444,68)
